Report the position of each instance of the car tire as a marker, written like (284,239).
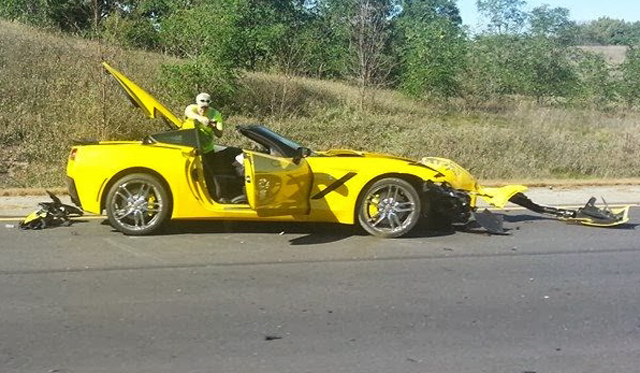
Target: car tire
(138,204)
(389,208)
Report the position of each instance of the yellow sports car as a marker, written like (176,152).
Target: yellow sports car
(144,184)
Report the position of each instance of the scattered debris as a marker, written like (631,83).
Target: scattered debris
(50,214)
(281,233)
(271,337)
(10,226)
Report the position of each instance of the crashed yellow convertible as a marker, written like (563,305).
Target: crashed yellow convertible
(144,184)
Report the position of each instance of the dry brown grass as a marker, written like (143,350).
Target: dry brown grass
(51,91)
(613,54)
(18,192)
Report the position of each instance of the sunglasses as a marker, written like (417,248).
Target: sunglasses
(205,101)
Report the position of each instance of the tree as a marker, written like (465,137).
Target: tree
(519,64)
(363,27)
(66,15)
(596,83)
(505,16)
(605,31)
(630,86)
(431,48)
(552,23)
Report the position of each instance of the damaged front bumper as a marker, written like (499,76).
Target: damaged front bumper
(445,206)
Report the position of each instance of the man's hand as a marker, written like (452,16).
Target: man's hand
(204,120)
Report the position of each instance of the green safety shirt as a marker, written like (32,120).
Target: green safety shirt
(205,132)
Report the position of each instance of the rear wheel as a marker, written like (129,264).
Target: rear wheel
(138,204)
(389,208)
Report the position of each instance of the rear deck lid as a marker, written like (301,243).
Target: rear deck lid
(140,98)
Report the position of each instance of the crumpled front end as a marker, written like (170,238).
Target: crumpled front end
(452,173)
(459,178)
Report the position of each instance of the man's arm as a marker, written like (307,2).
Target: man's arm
(192,112)
(217,124)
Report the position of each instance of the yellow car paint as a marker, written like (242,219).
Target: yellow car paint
(149,105)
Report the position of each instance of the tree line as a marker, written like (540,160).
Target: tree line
(418,46)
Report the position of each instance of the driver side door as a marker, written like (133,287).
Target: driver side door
(277,186)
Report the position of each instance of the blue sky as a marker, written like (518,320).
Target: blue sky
(581,10)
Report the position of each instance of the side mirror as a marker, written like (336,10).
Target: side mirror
(301,152)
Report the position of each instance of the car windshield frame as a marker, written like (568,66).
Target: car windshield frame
(264,136)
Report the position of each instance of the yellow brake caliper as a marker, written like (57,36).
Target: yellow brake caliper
(150,201)
(372,208)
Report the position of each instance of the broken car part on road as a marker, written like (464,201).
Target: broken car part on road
(50,214)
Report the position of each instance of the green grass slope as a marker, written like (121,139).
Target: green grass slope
(52,91)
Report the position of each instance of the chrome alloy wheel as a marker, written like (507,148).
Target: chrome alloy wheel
(390,208)
(137,205)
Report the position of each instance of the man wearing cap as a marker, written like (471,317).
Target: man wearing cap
(219,160)
(207,119)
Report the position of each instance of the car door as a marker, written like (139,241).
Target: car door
(277,186)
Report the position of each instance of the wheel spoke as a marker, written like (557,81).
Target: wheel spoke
(395,194)
(123,213)
(391,221)
(138,219)
(144,190)
(404,207)
(396,220)
(389,189)
(123,188)
(121,195)
(380,219)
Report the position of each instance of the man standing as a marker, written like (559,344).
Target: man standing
(224,180)
(207,119)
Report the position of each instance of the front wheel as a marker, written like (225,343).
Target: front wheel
(138,204)
(389,208)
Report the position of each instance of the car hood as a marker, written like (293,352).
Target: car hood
(356,153)
(140,98)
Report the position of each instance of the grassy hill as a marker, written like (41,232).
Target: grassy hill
(52,91)
(613,54)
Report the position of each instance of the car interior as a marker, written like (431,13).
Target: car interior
(224,175)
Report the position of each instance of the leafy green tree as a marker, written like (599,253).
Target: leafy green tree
(66,15)
(184,81)
(519,64)
(362,30)
(596,83)
(553,23)
(504,16)
(432,48)
(630,83)
(548,69)
(245,33)
(605,31)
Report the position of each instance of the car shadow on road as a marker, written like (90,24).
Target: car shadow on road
(524,217)
(312,233)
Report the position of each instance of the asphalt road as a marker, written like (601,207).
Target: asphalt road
(237,297)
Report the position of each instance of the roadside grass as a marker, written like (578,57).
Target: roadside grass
(53,91)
